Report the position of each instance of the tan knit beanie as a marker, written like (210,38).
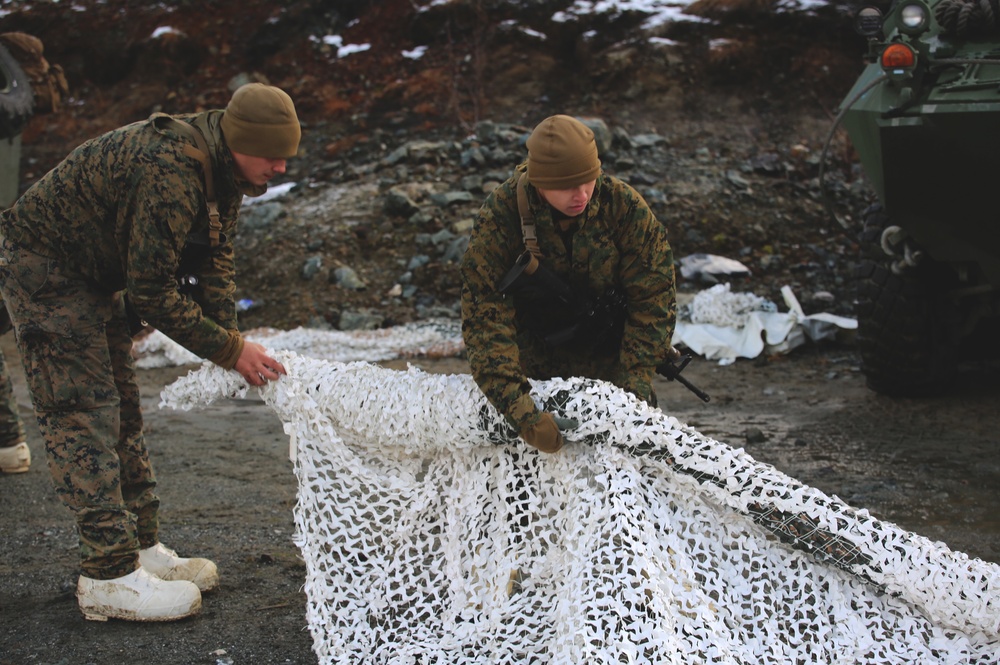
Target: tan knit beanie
(562,154)
(260,121)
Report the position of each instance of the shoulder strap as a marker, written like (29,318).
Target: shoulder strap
(203,155)
(527,219)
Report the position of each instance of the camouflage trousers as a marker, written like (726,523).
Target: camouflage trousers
(76,351)
(11,427)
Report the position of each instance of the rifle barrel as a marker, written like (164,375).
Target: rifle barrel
(672,372)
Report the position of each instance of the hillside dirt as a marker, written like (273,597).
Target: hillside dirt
(744,103)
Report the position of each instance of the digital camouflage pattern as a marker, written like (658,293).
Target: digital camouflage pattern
(77,356)
(11,427)
(111,218)
(618,244)
(118,211)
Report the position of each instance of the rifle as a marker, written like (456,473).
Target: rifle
(593,319)
(591,325)
(672,371)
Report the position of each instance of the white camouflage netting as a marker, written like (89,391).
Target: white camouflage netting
(431,534)
(432,338)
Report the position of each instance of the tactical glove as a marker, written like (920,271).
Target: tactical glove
(543,435)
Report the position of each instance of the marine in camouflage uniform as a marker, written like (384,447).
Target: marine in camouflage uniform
(119,216)
(15,456)
(615,243)
(11,427)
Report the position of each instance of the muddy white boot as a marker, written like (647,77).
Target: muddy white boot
(165,564)
(138,596)
(15,459)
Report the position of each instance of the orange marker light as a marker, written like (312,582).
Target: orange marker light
(896,56)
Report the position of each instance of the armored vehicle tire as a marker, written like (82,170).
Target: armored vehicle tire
(16,97)
(902,320)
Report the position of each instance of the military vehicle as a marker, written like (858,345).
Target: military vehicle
(924,118)
(16,104)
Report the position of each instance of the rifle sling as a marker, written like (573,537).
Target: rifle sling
(527,219)
(203,155)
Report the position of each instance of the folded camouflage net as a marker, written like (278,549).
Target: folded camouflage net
(432,535)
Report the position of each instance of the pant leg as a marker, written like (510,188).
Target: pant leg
(11,427)
(62,329)
(137,477)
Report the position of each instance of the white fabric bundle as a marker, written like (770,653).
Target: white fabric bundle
(720,306)
(431,534)
(721,325)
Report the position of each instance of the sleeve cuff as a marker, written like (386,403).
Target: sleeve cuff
(524,413)
(639,383)
(227,356)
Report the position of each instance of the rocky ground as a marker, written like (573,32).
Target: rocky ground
(720,124)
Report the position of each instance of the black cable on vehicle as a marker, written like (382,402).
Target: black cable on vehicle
(828,202)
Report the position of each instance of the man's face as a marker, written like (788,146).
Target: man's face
(570,202)
(257,170)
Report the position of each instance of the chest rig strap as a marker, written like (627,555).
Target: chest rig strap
(527,219)
(203,155)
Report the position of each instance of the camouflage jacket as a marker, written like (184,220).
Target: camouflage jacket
(118,210)
(618,243)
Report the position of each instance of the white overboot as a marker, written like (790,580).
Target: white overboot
(15,459)
(165,564)
(138,596)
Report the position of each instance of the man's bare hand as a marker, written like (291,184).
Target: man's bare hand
(256,366)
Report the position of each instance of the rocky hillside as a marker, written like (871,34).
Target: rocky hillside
(413,110)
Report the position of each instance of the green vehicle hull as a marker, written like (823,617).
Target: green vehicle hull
(935,165)
(16,101)
(926,129)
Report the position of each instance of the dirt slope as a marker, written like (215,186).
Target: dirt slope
(743,99)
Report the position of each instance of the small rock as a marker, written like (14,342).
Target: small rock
(312,266)
(348,279)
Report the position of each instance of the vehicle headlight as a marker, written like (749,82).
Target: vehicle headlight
(913,18)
